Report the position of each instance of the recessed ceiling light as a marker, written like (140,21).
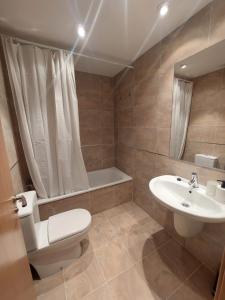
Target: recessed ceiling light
(164,8)
(81,31)
(183,66)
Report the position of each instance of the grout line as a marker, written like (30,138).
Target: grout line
(64,285)
(185,280)
(209,269)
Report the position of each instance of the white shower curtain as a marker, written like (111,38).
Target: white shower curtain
(182,94)
(44,92)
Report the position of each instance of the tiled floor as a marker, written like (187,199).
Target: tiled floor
(129,256)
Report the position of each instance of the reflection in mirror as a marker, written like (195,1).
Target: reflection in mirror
(198,117)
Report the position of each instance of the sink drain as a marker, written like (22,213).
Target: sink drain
(185,204)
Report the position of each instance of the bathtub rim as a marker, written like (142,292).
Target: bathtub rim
(126,178)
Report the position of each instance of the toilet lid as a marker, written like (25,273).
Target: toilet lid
(68,223)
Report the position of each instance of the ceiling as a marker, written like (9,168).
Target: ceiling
(117,30)
(204,62)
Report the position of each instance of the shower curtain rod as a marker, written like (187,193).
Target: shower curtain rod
(25,42)
(185,80)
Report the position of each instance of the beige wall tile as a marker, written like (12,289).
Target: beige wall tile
(88,90)
(124,192)
(108,136)
(146,91)
(145,138)
(147,64)
(125,159)
(107,118)
(143,151)
(109,197)
(89,118)
(108,163)
(125,118)
(90,136)
(103,199)
(108,152)
(123,101)
(96,113)
(52,208)
(92,157)
(163,141)
(107,93)
(95,201)
(126,136)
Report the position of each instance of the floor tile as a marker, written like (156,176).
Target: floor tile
(123,222)
(51,288)
(139,241)
(161,274)
(131,286)
(137,213)
(102,293)
(114,259)
(184,261)
(150,226)
(83,277)
(101,232)
(117,210)
(129,256)
(197,287)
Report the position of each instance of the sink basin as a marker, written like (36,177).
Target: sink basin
(191,210)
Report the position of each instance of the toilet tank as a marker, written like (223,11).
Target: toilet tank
(29,216)
(204,160)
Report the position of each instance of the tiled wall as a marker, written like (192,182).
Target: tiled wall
(206,130)
(96,112)
(95,201)
(143,117)
(17,164)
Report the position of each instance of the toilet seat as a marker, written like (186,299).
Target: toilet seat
(67,224)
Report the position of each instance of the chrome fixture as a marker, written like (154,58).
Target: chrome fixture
(194,181)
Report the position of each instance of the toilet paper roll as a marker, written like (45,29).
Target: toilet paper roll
(220,194)
(211,188)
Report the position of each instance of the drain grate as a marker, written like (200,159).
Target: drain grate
(185,204)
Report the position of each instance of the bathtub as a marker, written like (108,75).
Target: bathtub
(106,177)
(99,179)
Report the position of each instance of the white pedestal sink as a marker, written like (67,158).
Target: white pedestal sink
(190,210)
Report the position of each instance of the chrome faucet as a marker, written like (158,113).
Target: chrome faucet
(194,181)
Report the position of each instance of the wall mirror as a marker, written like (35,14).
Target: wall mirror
(198,114)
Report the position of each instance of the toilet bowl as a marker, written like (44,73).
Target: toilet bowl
(54,243)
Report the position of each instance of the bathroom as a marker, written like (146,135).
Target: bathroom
(112,121)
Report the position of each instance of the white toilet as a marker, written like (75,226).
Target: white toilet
(54,243)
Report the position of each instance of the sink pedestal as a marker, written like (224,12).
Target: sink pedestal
(186,226)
